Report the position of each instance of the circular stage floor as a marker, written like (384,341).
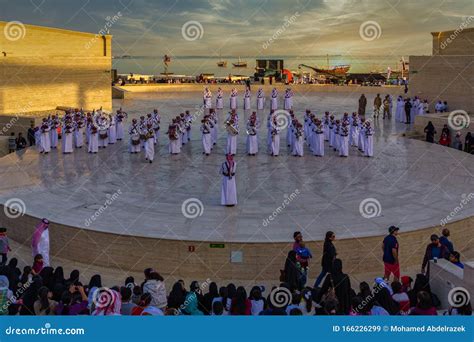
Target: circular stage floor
(416,184)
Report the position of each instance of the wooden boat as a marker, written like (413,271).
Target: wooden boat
(240,64)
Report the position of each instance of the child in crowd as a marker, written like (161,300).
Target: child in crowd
(455,258)
(401,297)
(4,245)
(303,255)
(38,264)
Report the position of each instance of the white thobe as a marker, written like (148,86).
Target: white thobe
(150,149)
(103,142)
(43,248)
(219,103)
(298,149)
(231,143)
(175,146)
(344,145)
(274,103)
(252,144)
(229,188)
(93,145)
(362,139)
(207,102)
(54,138)
(319,144)
(369,146)
(260,103)
(275,144)
(67,143)
(206,139)
(233,102)
(112,133)
(135,148)
(119,130)
(354,135)
(287,103)
(45,142)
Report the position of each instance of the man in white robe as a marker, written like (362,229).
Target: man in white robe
(274,100)
(362,139)
(119,126)
(319,139)
(134,131)
(233,99)
(299,140)
(45,138)
(112,130)
(275,139)
(68,138)
(40,241)
(93,144)
(247,95)
(206,136)
(150,143)
(369,141)
(252,137)
(344,140)
(220,99)
(207,98)
(79,127)
(229,188)
(287,105)
(54,124)
(232,137)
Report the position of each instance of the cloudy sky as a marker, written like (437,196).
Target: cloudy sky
(238,27)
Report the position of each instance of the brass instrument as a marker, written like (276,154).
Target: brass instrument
(231,129)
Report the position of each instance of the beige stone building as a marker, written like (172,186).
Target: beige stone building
(448,74)
(43,68)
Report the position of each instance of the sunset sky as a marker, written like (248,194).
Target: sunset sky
(153,28)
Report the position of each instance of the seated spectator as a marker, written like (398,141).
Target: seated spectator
(434,250)
(38,264)
(400,296)
(44,306)
(295,302)
(144,307)
(209,297)
(6,295)
(385,300)
(73,302)
(217,308)
(156,287)
(177,296)
(136,294)
(465,310)
(224,299)
(256,300)
(241,305)
(127,305)
(191,303)
(424,306)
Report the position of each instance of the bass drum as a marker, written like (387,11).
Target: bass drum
(135,139)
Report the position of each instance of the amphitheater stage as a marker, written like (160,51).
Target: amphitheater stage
(115,209)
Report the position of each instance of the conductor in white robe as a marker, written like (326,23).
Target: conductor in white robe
(233,99)
(274,100)
(229,188)
(68,138)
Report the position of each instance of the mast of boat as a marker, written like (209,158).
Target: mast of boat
(327,60)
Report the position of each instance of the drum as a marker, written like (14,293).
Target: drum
(103,134)
(136,139)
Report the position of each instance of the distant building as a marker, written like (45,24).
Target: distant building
(448,74)
(43,68)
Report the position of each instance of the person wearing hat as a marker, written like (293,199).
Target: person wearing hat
(390,254)
(4,245)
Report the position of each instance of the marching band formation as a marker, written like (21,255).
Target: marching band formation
(97,129)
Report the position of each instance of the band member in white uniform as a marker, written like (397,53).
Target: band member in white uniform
(326,120)
(354,130)
(156,120)
(79,128)
(274,99)
(45,138)
(207,98)
(299,140)
(102,125)
(54,124)
(318,149)
(134,132)
(362,135)
(232,133)
(344,139)
(93,144)
(275,138)
(112,129)
(233,99)
(220,99)
(68,137)
(173,135)
(247,95)
(214,127)
(252,138)
(119,128)
(206,135)
(260,99)
(229,188)
(150,143)
(188,121)
(369,140)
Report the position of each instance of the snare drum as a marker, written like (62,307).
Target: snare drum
(136,139)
